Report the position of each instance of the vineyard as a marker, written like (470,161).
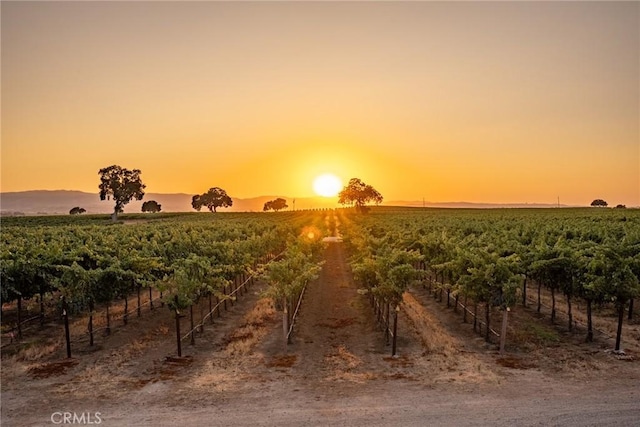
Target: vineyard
(179,309)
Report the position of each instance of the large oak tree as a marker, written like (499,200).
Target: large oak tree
(359,194)
(122,185)
(214,198)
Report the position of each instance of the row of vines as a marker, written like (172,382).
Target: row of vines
(187,260)
(493,258)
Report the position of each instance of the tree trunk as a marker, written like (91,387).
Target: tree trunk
(630,309)
(553,305)
(589,322)
(524,292)
(619,331)
(569,313)
(114,216)
(448,297)
(503,331)
(539,301)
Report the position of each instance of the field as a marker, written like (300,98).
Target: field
(338,367)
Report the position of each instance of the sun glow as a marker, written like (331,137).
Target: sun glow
(327,185)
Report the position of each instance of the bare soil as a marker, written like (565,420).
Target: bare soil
(338,369)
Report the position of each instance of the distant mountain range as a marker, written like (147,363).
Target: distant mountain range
(46,202)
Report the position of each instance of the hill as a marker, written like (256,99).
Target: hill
(46,202)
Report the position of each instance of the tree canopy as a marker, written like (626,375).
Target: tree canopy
(214,198)
(77,210)
(276,205)
(151,206)
(599,203)
(359,194)
(122,185)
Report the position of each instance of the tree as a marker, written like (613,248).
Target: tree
(276,205)
(599,203)
(214,198)
(359,193)
(621,206)
(77,211)
(122,185)
(151,206)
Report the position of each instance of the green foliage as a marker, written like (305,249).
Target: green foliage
(287,276)
(214,198)
(275,205)
(359,194)
(151,206)
(77,211)
(121,184)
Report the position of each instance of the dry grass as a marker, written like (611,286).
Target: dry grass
(243,339)
(434,337)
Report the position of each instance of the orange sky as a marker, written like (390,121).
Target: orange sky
(481,102)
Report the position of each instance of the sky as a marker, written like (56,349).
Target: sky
(497,102)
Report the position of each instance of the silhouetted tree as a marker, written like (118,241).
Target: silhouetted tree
(599,203)
(77,211)
(151,206)
(122,185)
(276,205)
(621,206)
(214,198)
(359,193)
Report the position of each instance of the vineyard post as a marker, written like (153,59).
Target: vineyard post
(125,317)
(178,326)
(65,317)
(619,330)
(90,327)
(139,302)
(503,332)
(19,316)
(42,306)
(193,339)
(108,329)
(386,329)
(285,326)
(395,329)
(210,308)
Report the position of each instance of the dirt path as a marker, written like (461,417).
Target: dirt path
(336,371)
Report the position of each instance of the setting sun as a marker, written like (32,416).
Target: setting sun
(327,185)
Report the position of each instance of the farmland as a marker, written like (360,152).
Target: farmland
(225,280)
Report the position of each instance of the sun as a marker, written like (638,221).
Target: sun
(327,185)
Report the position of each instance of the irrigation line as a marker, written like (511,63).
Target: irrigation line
(480,321)
(295,313)
(201,324)
(578,322)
